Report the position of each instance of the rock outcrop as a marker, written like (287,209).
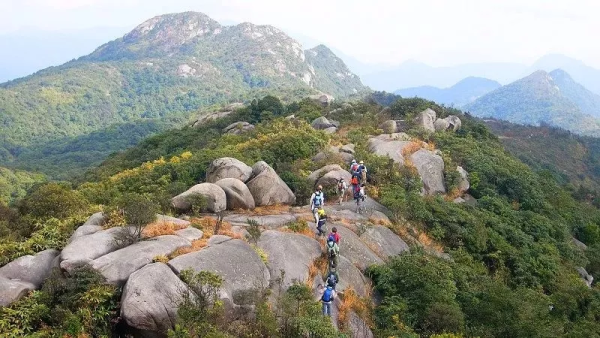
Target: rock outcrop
(587,278)
(394,126)
(463,182)
(117,266)
(351,277)
(151,298)
(92,225)
(426,119)
(267,221)
(25,274)
(451,122)
(228,167)
(216,200)
(238,128)
(355,250)
(243,271)
(431,170)
(292,253)
(267,187)
(382,240)
(346,153)
(328,176)
(322,123)
(237,193)
(84,249)
(390,145)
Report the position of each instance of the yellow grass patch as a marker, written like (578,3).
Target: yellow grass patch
(452,195)
(160,259)
(196,246)
(412,148)
(161,228)
(351,301)
(267,210)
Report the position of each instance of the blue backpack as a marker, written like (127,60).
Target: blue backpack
(318,200)
(327,295)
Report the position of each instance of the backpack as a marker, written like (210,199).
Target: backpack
(318,200)
(327,295)
(354,180)
(331,280)
(331,238)
(341,185)
(354,167)
(331,247)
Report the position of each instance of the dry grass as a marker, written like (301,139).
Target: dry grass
(161,228)
(351,301)
(319,265)
(267,210)
(452,195)
(412,148)
(160,259)
(196,246)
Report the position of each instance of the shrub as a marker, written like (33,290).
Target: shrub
(53,200)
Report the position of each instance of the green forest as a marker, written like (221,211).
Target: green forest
(512,267)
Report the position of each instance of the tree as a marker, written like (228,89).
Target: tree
(53,200)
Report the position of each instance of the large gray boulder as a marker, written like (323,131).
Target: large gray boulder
(84,249)
(267,187)
(330,130)
(587,278)
(216,200)
(463,182)
(204,119)
(355,250)
(389,146)
(151,298)
(33,269)
(351,277)
(328,176)
(454,122)
(238,194)
(431,170)
(228,167)
(238,128)
(117,266)
(92,225)
(11,290)
(322,123)
(441,125)
(332,178)
(190,233)
(241,268)
(292,253)
(426,119)
(267,221)
(451,122)
(358,327)
(348,148)
(384,241)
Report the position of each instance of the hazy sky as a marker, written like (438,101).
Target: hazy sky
(437,32)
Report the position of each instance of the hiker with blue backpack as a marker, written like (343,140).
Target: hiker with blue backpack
(327,299)
(317,200)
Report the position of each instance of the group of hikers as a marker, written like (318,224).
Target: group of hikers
(317,203)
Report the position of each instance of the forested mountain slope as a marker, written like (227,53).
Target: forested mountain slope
(166,68)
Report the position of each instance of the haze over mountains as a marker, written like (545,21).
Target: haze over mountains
(463,92)
(543,98)
(165,69)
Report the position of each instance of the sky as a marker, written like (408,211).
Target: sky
(436,32)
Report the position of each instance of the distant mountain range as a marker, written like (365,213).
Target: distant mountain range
(552,98)
(415,74)
(166,68)
(463,92)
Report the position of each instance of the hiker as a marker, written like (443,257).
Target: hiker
(354,182)
(333,250)
(361,193)
(362,170)
(342,188)
(334,235)
(327,299)
(353,167)
(333,278)
(321,222)
(317,200)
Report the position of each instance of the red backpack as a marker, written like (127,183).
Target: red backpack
(354,180)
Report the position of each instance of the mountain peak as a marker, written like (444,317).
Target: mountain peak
(178,28)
